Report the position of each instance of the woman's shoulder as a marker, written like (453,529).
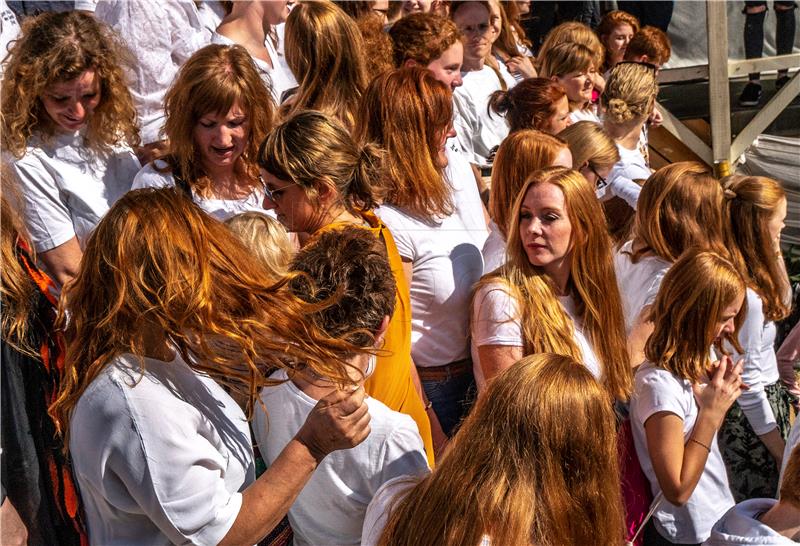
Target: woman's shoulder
(155,174)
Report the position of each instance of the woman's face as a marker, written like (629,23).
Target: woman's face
(220,139)
(495,20)
(524,6)
(617,42)
(275,11)
(447,68)
(577,84)
(594,174)
(472,19)
(544,227)
(71,103)
(416,6)
(776,224)
(726,323)
(292,205)
(560,119)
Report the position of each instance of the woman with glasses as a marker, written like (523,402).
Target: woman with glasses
(218,111)
(318,178)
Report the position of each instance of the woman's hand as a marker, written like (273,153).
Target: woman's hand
(522,65)
(338,421)
(722,390)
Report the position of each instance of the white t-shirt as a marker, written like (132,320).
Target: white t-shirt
(164,35)
(210,13)
(631,166)
(221,209)
(494,249)
(485,131)
(496,321)
(585,114)
(757,338)
(638,282)
(160,458)
(67,188)
(740,526)
(330,509)
(657,390)
(466,197)
(447,261)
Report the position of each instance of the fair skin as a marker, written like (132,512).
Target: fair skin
(381,8)
(546,234)
(560,119)
(415,6)
(591,174)
(625,134)
(12,528)
(516,64)
(472,19)
(248,24)
(69,105)
(578,86)
(678,464)
(617,41)
(495,20)
(220,140)
(447,67)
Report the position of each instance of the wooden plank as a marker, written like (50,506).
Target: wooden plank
(765,64)
(718,92)
(693,142)
(766,116)
(685,73)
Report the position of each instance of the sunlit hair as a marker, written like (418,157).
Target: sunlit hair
(506,42)
(325,51)
(573,32)
(590,145)
(422,37)
(790,486)
(212,81)
(630,93)
(377,42)
(535,462)
(564,59)
(545,325)
(521,154)
(692,299)
(199,286)
(311,148)
(528,105)
(513,17)
(680,206)
(266,238)
(59,47)
(408,112)
(350,265)
(650,41)
(749,205)
(609,22)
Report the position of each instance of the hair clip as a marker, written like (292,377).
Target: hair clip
(729,194)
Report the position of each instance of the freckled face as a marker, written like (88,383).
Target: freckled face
(545,228)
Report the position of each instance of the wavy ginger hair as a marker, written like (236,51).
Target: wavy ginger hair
(59,47)
(546,327)
(213,80)
(535,462)
(521,154)
(422,37)
(750,203)
(325,50)
(692,298)
(197,287)
(408,112)
(528,105)
(680,207)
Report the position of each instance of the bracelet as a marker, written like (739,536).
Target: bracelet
(700,444)
(428,405)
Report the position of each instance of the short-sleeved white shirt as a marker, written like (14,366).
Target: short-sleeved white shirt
(638,282)
(466,197)
(657,390)
(68,188)
(631,166)
(496,321)
(331,507)
(494,249)
(221,209)
(159,461)
(485,131)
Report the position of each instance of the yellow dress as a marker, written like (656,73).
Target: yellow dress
(391,383)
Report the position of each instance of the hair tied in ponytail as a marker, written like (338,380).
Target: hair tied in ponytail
(727,191)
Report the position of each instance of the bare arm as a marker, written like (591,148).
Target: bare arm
(637,339)
(63,261)
(496,358)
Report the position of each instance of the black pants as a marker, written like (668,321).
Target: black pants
(754,31)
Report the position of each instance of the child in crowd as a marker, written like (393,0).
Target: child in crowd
(350,267)
(266,237)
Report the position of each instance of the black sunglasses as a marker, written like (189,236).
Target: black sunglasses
(601,182)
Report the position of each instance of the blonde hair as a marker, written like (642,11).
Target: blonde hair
(325,50)
(564,58)
(59,47)
(213,80)
(266,238)
(692,298)
(535,462)
(680,207)
(573,32)
(519,155)
(630,92)
(589,143)
(750,202)
(545,325)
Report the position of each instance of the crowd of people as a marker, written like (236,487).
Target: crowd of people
(382,273)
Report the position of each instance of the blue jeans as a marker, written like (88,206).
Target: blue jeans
(451,399)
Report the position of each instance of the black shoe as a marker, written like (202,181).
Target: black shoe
(780,82)
(751,95)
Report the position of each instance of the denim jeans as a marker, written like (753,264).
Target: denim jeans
(451,399)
